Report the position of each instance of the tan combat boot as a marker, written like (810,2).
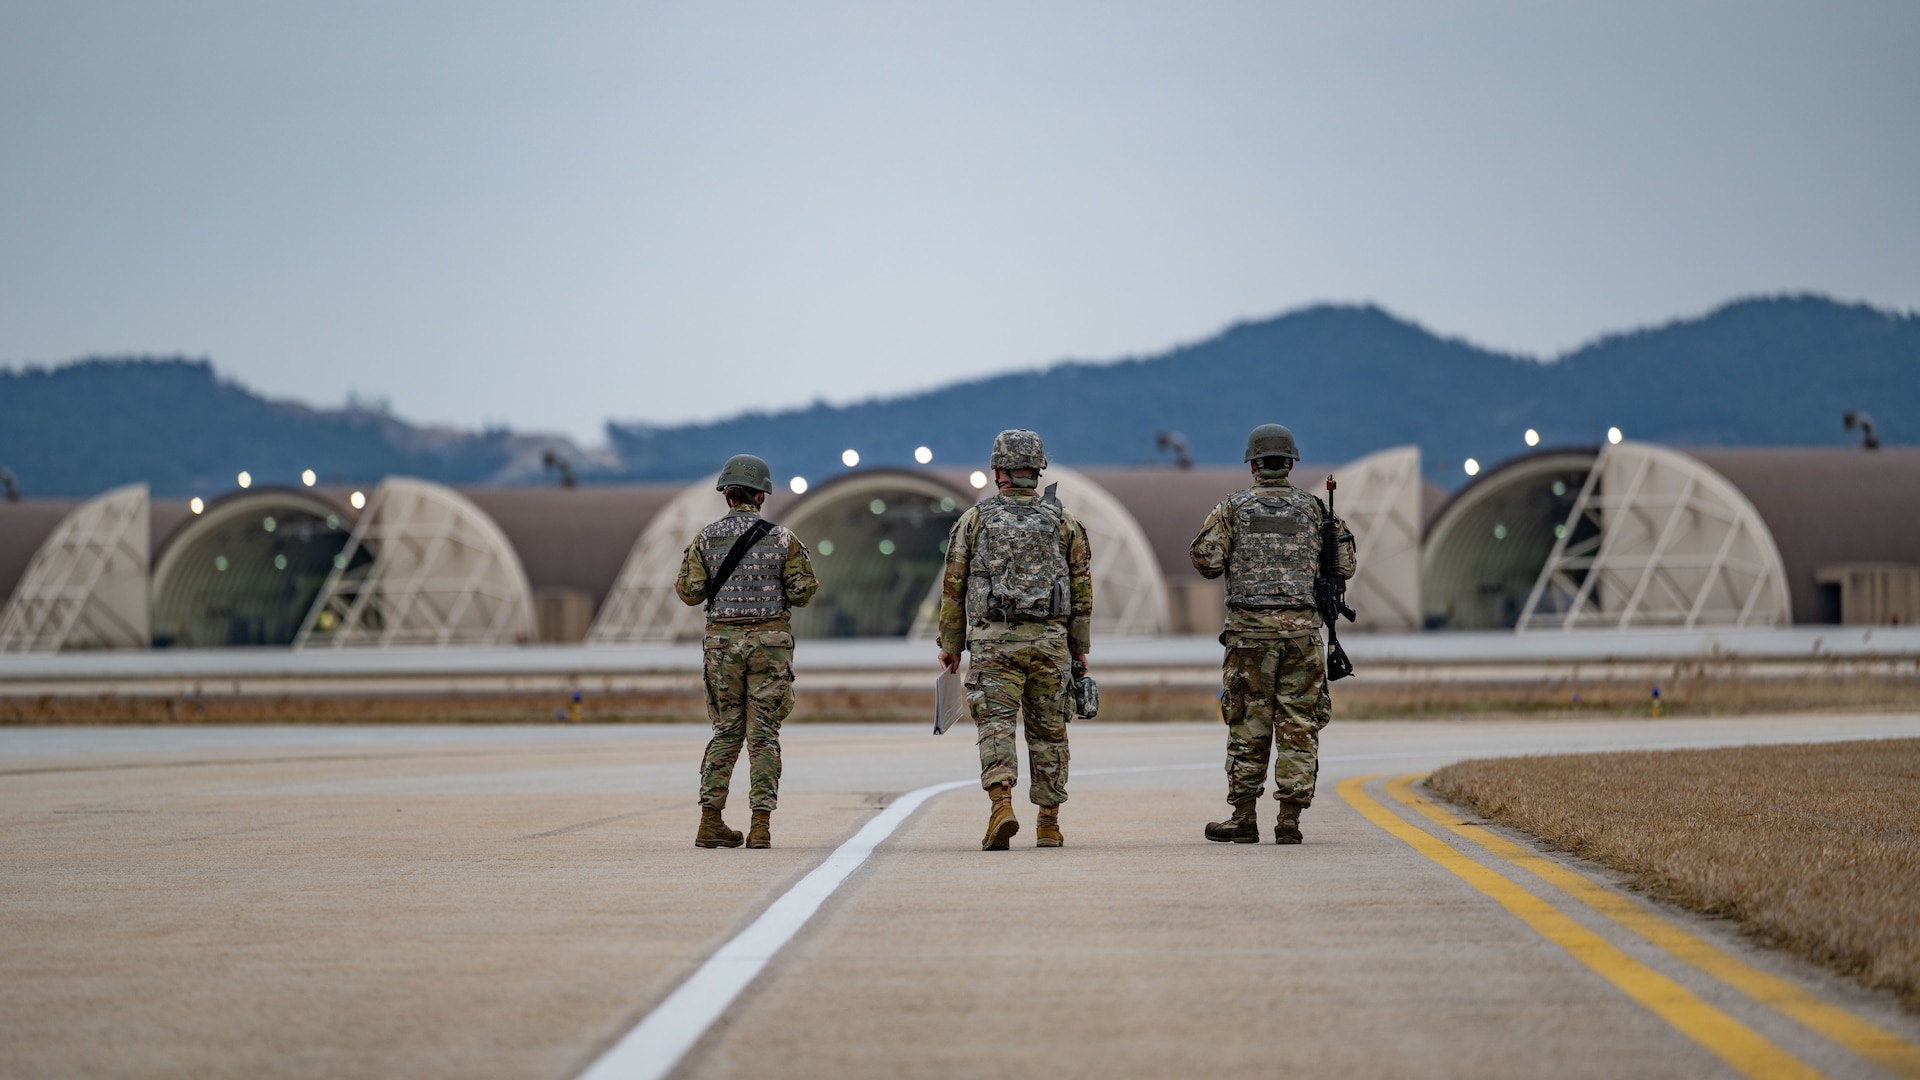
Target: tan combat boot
(1046,831)
(1287,829)
(1242,828)
(760,835)
(713,831)
(1001,824)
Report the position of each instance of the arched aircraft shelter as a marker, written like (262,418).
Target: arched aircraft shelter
(879,542)
(1484,551)
(246,571)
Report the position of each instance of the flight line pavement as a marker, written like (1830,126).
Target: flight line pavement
(509,901)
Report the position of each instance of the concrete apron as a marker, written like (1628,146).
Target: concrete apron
(507,903)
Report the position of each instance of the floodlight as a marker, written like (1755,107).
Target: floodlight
(1473,467)
(1614,436)
(797,485)
(194,504)
(849,457)
(308,477)
(923,455)
(245,479)
(1533,437)
(357,500)
(978,479)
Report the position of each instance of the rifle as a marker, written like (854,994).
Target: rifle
(1330,590)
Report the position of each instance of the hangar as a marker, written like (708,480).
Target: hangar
(1618,537)
(1639,535)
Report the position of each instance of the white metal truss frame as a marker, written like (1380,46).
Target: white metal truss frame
(1379,499)
(1129,592)
(442,573)
(642,605)
(1677,545)
(86,587)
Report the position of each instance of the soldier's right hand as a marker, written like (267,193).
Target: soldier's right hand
(950,661)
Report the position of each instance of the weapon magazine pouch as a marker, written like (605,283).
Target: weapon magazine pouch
(741,545)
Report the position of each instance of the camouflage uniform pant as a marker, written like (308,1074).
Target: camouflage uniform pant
(749,692)
(1274,691)
(1005,678)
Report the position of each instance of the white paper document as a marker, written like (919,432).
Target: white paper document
(949,701)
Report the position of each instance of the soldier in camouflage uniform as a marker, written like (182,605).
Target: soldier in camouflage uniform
(1018,595)
(1266,540)
(749,648)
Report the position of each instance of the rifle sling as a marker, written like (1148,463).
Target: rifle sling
(741,545)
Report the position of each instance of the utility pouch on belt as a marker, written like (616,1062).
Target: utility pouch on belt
(741,545)
(1086,693)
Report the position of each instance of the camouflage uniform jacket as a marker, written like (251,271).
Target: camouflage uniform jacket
(797,576)
(1213,549)
(955,631)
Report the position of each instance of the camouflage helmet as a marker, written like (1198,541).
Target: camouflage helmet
(1271,440)
(745,471)
(1017,448)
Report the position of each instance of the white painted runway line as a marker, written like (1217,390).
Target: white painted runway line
(659,1041)
(653,1048)
(657,1044)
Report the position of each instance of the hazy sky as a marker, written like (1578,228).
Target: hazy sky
(553,214)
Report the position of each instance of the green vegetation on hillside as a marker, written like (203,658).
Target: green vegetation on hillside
(1348,380)
(85,427)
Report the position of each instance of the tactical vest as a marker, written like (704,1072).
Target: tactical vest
(1017,573)
(1276,548)
(757,588)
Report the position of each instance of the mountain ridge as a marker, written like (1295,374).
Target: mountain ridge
(1348,378)
(1352,378)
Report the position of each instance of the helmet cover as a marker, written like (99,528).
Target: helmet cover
(1018,448)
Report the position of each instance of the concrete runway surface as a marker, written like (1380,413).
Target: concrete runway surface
(510,902)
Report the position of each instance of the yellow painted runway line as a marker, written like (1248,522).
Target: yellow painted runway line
(1746,1050)
(1882,1047)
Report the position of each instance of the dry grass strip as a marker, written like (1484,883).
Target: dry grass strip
(1812,848)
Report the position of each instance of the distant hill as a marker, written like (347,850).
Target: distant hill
(1348,380)
(87,426)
